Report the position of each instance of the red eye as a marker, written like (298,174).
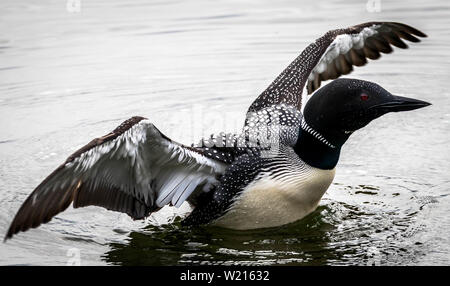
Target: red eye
(364,97)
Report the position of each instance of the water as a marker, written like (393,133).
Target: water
(193,67)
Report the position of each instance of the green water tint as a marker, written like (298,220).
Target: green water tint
(326,237)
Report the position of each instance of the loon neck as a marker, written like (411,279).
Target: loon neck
(315,148)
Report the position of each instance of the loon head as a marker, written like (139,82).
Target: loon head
(338,109)
(346,105)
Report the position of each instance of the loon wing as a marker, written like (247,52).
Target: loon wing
(332,55)
(135,169)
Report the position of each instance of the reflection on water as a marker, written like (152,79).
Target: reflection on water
(193,68)
(303,242)
(335,234)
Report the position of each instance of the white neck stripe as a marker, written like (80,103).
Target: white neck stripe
(316,134)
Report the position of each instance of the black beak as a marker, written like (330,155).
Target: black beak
(400,103)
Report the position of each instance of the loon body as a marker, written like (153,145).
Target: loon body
(273,173)
(271,201)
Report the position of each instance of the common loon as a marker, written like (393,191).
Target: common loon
(273,173)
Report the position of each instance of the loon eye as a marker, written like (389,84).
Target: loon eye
(364,97)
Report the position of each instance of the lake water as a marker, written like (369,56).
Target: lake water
(69,73)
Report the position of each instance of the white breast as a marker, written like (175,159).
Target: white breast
(270,201)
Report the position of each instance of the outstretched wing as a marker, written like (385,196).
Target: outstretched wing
(332,55)
(135,169)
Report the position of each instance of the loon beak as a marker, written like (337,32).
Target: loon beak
(400,103)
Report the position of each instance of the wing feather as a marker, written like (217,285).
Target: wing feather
(332,55)
(135,169)
(356,45)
